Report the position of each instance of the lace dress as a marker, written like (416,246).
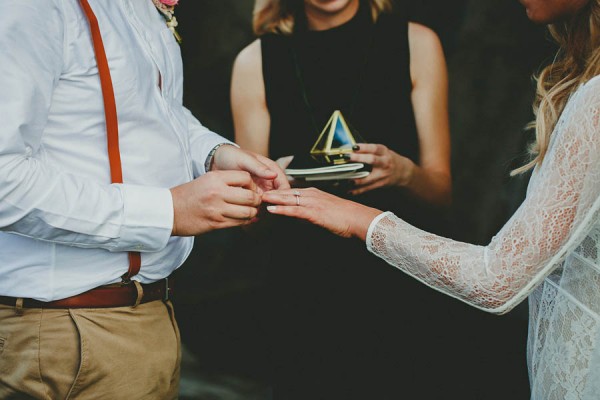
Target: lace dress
(549,249)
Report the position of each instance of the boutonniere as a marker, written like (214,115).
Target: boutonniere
(167,9)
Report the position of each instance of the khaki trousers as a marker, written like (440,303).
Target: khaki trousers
(114,353)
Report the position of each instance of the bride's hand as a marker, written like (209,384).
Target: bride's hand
(343,217)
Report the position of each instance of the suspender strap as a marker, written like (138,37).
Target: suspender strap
(110,114)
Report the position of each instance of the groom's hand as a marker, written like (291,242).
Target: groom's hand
(218,199)
(266,173)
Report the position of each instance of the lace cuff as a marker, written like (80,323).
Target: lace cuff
(556,214)
(371,229)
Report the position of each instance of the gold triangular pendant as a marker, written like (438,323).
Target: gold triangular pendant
(335,140)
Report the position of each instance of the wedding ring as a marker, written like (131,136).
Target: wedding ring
(297,194)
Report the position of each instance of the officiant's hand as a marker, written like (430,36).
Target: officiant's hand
(389,167)
(215,200)
(265,172)
(342,217)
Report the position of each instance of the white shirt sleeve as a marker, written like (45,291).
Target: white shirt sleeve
(559,210)
(38,199)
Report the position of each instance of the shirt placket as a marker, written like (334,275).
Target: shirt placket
(162,69)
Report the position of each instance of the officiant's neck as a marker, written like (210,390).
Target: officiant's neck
(320,17)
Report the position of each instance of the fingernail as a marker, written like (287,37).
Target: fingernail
(271,208)
(356,147)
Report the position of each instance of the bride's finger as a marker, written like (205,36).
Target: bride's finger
(291,191)
(290,211)
(283,197)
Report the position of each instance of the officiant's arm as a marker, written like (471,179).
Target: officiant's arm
(251,119)
(429,178)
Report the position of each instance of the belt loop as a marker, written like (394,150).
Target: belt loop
(140,293)
(167,291)
(19,306)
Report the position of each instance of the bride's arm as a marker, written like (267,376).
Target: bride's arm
(560,205)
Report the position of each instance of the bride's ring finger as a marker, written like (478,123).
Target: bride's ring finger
(296,194)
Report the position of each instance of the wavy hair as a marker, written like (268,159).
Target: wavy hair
(277,16)
(577,61)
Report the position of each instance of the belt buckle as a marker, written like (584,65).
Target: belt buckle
(167,290)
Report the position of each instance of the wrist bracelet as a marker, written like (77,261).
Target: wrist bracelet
(211,154)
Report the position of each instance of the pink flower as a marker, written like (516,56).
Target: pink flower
(169,2)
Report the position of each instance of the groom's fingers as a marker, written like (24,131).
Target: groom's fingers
(250,163)
(229,158)
(237,212)
(238,178)
(242,197)
(280,181)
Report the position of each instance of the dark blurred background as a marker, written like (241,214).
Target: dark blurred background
(492,52)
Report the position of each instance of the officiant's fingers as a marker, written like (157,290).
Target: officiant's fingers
(366,186)
(368,158)
(366,148)
(374,176)
(242,197)
(371,148)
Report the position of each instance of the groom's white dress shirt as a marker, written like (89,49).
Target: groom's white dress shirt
(64,228)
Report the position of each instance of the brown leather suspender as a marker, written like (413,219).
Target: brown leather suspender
(112,126)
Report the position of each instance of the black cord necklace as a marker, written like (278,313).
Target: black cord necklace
(302,83)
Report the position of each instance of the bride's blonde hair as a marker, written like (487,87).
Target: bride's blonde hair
(277,16)
(577,61)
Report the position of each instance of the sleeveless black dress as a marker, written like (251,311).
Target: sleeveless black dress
(343,324)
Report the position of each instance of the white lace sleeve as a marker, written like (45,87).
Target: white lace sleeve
(559,204)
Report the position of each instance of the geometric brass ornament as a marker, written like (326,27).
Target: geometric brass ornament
(335,140)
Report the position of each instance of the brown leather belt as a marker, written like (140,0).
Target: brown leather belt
(104,296)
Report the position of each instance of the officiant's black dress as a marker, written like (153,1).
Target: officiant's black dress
(343,324)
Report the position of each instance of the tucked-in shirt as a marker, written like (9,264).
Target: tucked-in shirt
(64,227)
